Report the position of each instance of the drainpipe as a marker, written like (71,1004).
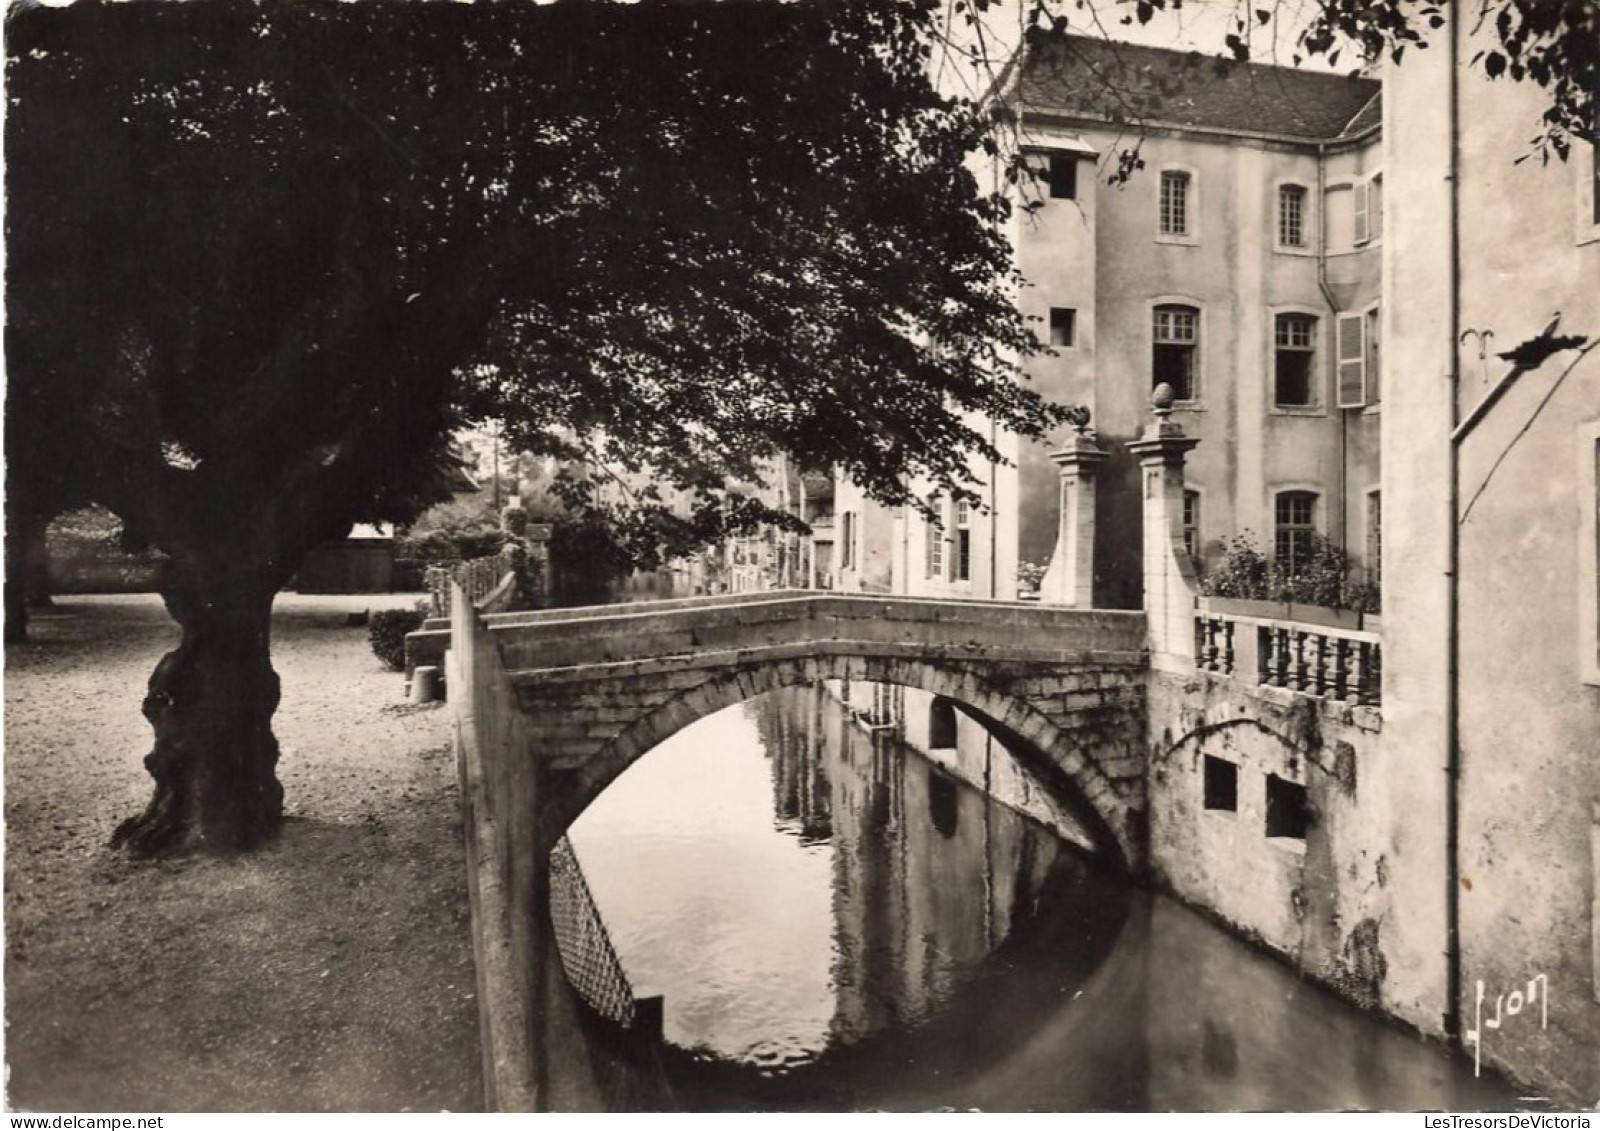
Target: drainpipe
(1327,296)
(1452,704)
(994,520)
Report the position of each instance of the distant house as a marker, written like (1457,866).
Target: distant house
(362,562)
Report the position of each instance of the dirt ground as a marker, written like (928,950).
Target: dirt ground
(331,971)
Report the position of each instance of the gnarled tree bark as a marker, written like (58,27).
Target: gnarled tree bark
(211,702)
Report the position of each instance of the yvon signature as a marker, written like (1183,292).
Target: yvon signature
(1507,1006)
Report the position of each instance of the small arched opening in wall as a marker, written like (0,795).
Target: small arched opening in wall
(1071,777)
(941,723)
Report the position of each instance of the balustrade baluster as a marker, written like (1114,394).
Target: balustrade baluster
(1283,660)
(1316,646)
(1358,674)
(1227,647)
(1295,678)
(1341,669)
(1372,674)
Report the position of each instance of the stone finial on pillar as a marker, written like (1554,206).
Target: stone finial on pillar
(514,519)
(1070,578)
(1170,585)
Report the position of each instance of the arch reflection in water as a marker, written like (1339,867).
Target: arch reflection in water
(795,880)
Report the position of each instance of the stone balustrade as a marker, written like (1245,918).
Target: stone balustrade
(1328,661)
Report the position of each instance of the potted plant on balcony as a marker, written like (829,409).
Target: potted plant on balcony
(1321,589)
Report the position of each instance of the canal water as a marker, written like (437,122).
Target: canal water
(837,920)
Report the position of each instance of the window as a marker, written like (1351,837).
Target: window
(1177,342)
(1375,537)
(1063,326)
(1352,360)
(1295,529)
(1338,213)
(1291,216)
(1191,523)
(1221,784)
(1063,176)
(962,565)
(1174,203)
(1294,339)
(934,541)
(1288,808)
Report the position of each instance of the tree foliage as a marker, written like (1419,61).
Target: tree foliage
(262,257)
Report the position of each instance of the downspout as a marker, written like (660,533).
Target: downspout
(1327,296)
(994,520)
(1452,703)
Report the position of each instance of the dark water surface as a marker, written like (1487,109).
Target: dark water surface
(836,923)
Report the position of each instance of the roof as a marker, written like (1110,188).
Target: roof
(1126,82)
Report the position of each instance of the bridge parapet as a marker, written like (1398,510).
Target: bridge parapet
(601,687)
(614,634)
(553,706)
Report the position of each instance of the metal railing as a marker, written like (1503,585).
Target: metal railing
(585,946)
(1331,663)
(478,577)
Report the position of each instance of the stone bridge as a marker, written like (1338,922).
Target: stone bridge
(600,687)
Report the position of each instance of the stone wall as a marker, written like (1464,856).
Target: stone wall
(1078,727)
(1320,899)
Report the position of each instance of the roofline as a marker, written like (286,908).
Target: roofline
(1145,125)
(1376,96)
(1210,57)
(1005,85)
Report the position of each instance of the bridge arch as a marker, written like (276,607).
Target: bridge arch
(1039,745)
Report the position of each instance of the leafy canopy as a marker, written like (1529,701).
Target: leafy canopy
(264,255)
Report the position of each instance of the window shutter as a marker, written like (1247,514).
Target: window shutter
(1352,357)
(1363,228)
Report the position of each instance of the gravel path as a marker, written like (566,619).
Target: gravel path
(331,971)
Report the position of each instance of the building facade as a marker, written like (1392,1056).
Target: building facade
(1492,686)
(1239,265)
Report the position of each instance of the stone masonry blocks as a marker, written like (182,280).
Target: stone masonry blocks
(1074,708)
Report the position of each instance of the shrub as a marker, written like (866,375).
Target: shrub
(1325,578)
(458,531)
(1244,571)
(1030,575)
(387,629)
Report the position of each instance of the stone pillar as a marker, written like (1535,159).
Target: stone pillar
(1070,578)
(536,537)
(1170,585)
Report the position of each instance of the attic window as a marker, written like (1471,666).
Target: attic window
(1063,176)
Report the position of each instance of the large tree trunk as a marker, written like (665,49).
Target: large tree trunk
(24,548)
(16,589)
(211,703)
(36,563)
